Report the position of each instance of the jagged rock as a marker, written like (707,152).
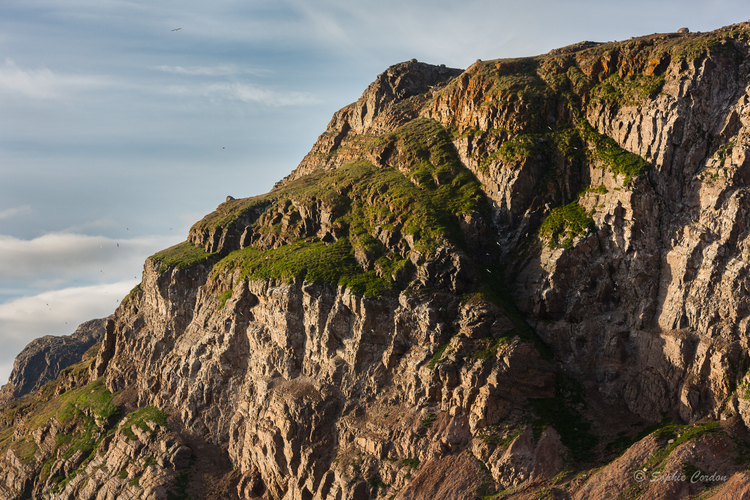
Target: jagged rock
(44,358)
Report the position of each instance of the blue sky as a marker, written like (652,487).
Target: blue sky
(117,133)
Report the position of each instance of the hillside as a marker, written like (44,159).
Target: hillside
(526,279)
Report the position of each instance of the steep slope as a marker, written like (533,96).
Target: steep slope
(523,280)
(44,358)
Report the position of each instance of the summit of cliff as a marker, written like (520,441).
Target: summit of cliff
(524,279)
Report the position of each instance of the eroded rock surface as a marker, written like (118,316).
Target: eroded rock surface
(527,279)
(44,358)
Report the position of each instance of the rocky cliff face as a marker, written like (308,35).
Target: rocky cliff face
(523,280)
(44,358)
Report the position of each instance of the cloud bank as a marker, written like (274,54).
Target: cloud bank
(41,83)
(73,256)
(57,312)
(220,70)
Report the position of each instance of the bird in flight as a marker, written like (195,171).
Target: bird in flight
(177,29)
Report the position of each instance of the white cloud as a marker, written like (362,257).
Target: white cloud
(41,83)
(246,93)
(221,70)
(48,312)
(12,212)
(73,256)
(57,312)
(251,93)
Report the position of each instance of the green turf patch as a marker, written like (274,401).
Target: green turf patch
(564,224)
(179,256)
(384,213)
(139,419)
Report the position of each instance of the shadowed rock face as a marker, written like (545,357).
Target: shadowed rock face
(44,358)
(527,276)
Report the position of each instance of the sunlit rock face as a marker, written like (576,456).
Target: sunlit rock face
(529,276)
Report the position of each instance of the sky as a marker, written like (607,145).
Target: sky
(118,130)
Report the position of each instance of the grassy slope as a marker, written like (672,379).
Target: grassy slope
(84,414)
(421,200)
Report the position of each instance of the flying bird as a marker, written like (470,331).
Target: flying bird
(177,29)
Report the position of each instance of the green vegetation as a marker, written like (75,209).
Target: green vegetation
(564,224)
(376,482)
(614,158)
(139,419)
(437,357)
(689,470)
(487,490)
(25,449)
(631,90)
(420,203)
(93,399)
(429,420)
(700,45)
(561,142)
(561,413)
(135,293)
(180,487)
(520,80)
(230,211)
(222,298)
(513,78)
(87,415)
(357,466)
(492,346)
(568,143)
(623,440)
(724,151)
(502,438)
(180,256)
(412,463)
(316,262)
(678,434)
(520,147)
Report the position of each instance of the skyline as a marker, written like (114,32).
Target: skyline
(118,133)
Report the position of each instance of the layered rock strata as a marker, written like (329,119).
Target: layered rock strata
(521,280)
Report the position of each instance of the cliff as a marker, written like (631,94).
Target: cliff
(43,359)
(522,280)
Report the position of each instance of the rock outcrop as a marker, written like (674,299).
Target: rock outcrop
(527,279)
(43,359)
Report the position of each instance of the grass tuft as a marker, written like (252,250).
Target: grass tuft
(564,224)
(179,256)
